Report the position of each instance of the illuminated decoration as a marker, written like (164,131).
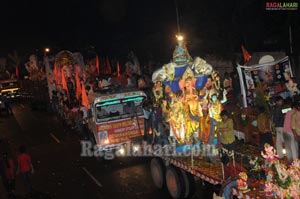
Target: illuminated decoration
(282,181)
(184,88)
(181,55)
(242,182)
(133,99)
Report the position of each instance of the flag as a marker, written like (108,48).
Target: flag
(78,86)
(108,66)
(85,100)
(64,84)
(17,71)
(63,80)
(97,64)
(118,69)
(246,55)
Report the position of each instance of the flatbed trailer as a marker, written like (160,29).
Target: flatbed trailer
(179,174)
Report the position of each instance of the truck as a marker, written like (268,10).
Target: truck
(185,89)
(116,119)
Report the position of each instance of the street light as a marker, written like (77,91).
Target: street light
(47,50)
(179,37)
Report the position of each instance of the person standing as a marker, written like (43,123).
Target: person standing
(295,124)
(264,127)
(148,120)
(25,167)
(278,119)
(288,135)
(225,132)
(9,168)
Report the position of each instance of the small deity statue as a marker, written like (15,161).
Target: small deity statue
(242,181)
(158,91)
(194,113)
(216,84)
(204,127)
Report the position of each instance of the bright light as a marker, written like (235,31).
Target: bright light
(122,151)
(136,148)
(283,151)
(47,50)
(106,141)
(179,37)
(150,131)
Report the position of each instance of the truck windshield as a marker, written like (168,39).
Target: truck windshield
(114,109)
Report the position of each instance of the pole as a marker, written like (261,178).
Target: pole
(291,40)
(177,16)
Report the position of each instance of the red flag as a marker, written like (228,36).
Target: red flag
(246,55)
(85,100)
(97,64)
(17,71)
(108,66)
(118,69)
(78,86)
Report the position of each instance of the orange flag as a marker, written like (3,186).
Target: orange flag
(64,83)
(246,55)
(17,71)
(97,64)
(108,66)
(78,86)
(85,100)
(63,80)
(118,69)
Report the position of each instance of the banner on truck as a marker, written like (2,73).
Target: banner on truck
(119,131)
(275,76)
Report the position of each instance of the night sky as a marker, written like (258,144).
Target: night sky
(114,27)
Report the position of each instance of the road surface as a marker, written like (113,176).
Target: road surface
(60,171)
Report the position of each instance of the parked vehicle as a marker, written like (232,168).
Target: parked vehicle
(10,89)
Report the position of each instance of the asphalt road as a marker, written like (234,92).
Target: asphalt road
(60,171)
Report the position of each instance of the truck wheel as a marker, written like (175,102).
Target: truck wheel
(158,171)
(189,184)
(175,182)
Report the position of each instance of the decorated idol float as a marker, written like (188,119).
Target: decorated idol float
(189,92)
